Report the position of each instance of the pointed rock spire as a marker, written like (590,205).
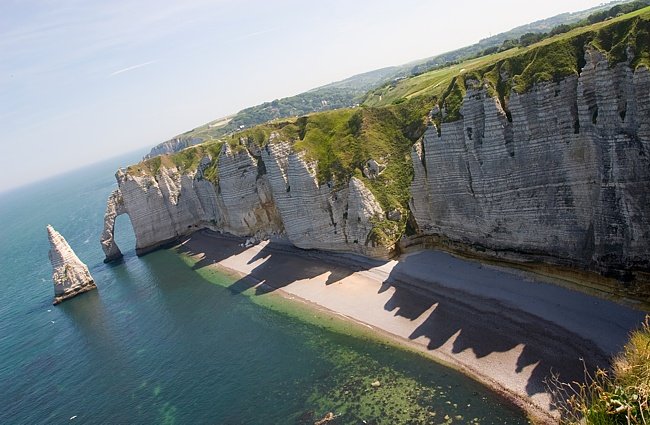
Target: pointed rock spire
(71,277)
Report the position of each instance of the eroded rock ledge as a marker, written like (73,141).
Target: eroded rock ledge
(71,277)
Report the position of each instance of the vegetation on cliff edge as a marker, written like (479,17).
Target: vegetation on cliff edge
(617,397)
(521,68)
(352,90)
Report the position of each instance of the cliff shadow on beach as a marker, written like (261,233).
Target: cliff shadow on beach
(485,324)
(463,309)
(280,264)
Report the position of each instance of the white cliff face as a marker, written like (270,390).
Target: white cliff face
(319,217)
(148,210)
(565,178)
(247,206)
(114,207)
(275,193)
(303,206)
(420,204)
(71,277)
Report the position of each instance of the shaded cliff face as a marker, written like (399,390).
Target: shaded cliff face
(563,176)
(257,192)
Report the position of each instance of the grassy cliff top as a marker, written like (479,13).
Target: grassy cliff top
(548,60)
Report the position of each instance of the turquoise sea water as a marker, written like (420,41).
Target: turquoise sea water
(158,344)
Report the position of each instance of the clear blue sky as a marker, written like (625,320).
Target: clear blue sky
(84,80)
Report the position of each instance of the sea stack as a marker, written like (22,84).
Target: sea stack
(114,207)
(71,277)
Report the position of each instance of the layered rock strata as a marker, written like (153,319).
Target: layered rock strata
(258,192)
(561,175)
(319,216)
(71,277)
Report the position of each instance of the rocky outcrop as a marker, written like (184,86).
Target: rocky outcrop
(162,208)
(320,216)
(71,277)
(173,145)
(245,199)
(561,173)
(257,192)
(114,207)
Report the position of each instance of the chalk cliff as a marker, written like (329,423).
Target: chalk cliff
(319,216)
(173,145)
(114,207)
(558,173)
(564,176)
(258,192)
(71,277)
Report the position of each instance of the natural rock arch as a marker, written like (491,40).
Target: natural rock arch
(114,208)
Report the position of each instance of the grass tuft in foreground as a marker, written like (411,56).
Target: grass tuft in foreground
(617,397)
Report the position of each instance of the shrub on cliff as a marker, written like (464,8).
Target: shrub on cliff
(616,397)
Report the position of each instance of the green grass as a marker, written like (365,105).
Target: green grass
(617,397)
(433,83)
(551,59)
(332,139)
(343,141)
(184,161)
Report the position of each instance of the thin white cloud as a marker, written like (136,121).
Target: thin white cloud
(255,34)
(131,68)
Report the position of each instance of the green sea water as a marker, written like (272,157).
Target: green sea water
(159,343)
